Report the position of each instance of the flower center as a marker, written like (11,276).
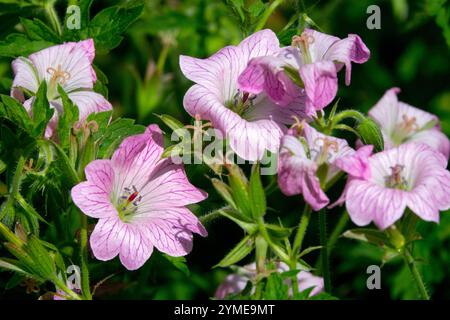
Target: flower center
(57,76)
(303,42)
(325,149)
(127,203)
(396,180)
(405,128)
(241,102)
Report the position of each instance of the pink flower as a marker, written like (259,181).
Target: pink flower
(236,283)
(140,202)
(316,56)
(412,175)
(251,123)
(400,123)
(301,156)
(69,65)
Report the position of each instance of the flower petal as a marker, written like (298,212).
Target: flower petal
(170,230)
(93,196)
(72,58)
(136,247)
(385,111)
(25,76)
(320,81)
(89,102)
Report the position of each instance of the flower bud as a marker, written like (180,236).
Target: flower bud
(371,134)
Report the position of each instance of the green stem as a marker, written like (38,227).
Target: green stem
(84,259)
(8,215)
(304,221)
(53,17)
(340,226)
(411,263)
(266,15)
(323,243)
(276,249)
(61,285)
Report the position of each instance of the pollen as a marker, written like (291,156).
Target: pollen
(396,179)
(58,75)
(409,124)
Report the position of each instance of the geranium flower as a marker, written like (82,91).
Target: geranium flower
(236,282)
(68,65)
(140,201)
(412,175)
(316,57)
(251,123)
(304,152)
(400,123)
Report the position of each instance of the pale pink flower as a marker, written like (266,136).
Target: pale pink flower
(251,123)
(303,151)
(140,201)
(69,65)
(236,282)
(401,123)
(412,176)
(316,56)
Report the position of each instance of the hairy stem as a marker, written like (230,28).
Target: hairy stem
(304,221)
(411,263)
(84,259)
(53,17)
(324,256)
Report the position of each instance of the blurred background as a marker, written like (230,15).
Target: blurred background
(410,51)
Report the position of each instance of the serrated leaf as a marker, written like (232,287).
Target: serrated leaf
(16,112)
(17,44)
(179,263)
(37,30)
(276,288)
(239,252)
(239,186)
(109,24)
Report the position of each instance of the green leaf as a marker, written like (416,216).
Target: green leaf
(257,195)
(67,119)
(239,252)
(224,190)
(16,112)
(179,263)
(109,24)
(372,236)
(239,186)
(42,113)
(37,30)
(17,44)
(278,232)
(309,250)
(114,134)
(12,265)
(276,288)
(170,121)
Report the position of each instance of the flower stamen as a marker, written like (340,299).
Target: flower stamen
(58,74)
(396,180)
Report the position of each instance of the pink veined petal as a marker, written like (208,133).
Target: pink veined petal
(89,50)
(312,192)
(357,164)
(346,51)
(385,111)
(136,247)
(267,74)
(219,73)
(70,58)
(24,77)
(359,194)
(106,239)
(435,139)
(249,139)
(170,230)
(389,206)
(136,158)
(320,81)
(168,187)
(320,44)
(89,102)
(93,197)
